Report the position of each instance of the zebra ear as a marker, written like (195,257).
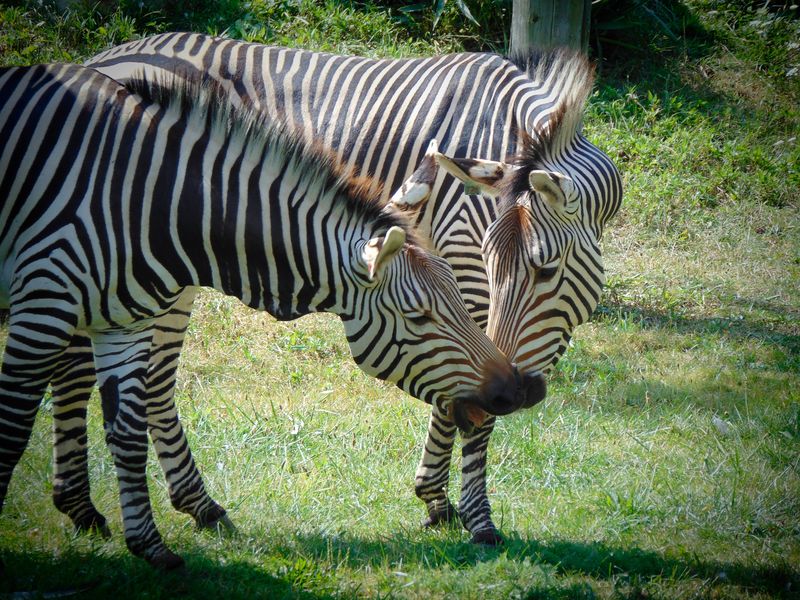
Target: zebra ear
(485,175)
(415,191)
(554,187)
(379,251)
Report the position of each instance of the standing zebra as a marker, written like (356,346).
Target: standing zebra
(376,116)
(114,200)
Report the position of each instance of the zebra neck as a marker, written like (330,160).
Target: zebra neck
(283,251)
(554,109)
(534,108)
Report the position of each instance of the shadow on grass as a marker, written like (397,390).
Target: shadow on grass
(601,561)
(74,575)
(593,560)
(668,58)
(308,559)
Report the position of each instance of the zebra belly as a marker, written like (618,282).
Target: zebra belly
(5,282)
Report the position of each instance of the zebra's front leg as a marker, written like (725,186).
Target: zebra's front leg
(122,359)
(187,491)
(433,472)
(473,506)
(72,386)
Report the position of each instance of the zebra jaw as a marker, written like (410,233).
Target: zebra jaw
(466,416)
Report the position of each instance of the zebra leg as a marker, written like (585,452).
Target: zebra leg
(473,506)
(187,491)
(122,359)
(433,472)
(37,337)
(72,386)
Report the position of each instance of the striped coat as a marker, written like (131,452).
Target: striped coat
(115,202)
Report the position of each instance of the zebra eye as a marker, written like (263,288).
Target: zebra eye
(572,201)
(419,319)
(546,272)
(571,207)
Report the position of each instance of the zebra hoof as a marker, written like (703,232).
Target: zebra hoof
(441,515)
(221,525)
(102,530)
(487,537)
(95,525)
(166,560)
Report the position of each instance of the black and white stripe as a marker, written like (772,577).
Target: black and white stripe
(117,201)
(377,115)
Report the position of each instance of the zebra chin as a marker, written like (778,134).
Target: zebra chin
(534,389)
(466,416)
(497,398)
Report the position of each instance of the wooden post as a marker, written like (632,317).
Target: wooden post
(548,23)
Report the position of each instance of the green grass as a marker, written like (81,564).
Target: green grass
(665,462)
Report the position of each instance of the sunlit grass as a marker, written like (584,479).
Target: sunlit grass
(659,457)
(665,461)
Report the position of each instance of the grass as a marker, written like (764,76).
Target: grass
(665,462)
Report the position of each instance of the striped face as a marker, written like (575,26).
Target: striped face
(542,254)
(545,271)
(410,326)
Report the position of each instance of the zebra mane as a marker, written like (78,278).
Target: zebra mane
(570,72)
(207,98)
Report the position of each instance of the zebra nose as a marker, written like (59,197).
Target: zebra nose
(534,389)
(501,388)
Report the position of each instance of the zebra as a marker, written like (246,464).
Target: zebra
(375,115)
(114,200)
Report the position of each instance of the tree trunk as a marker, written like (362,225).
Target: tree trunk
(548,23)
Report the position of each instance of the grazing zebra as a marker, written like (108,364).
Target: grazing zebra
(114,200)
(376,116)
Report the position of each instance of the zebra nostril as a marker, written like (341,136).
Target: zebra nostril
(534,389)
(501,388)
(504,403)
(504,397)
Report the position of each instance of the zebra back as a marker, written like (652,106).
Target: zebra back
(177,187)
(114,200)
(377,116)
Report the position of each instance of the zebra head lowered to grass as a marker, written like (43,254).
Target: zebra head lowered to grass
(377,117)
(115,200)
(552,199)
(542,253)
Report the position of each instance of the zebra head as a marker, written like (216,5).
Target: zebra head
(411,327)
(542,253)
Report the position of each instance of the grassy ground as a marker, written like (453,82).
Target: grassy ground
(665,462)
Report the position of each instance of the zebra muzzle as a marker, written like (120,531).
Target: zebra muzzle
(502,391)
(528,389)
(534,389)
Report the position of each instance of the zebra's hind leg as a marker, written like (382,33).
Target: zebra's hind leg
(473,506)
(122,359)
(37,337)
(187,490)
(433,472)
(72,386)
